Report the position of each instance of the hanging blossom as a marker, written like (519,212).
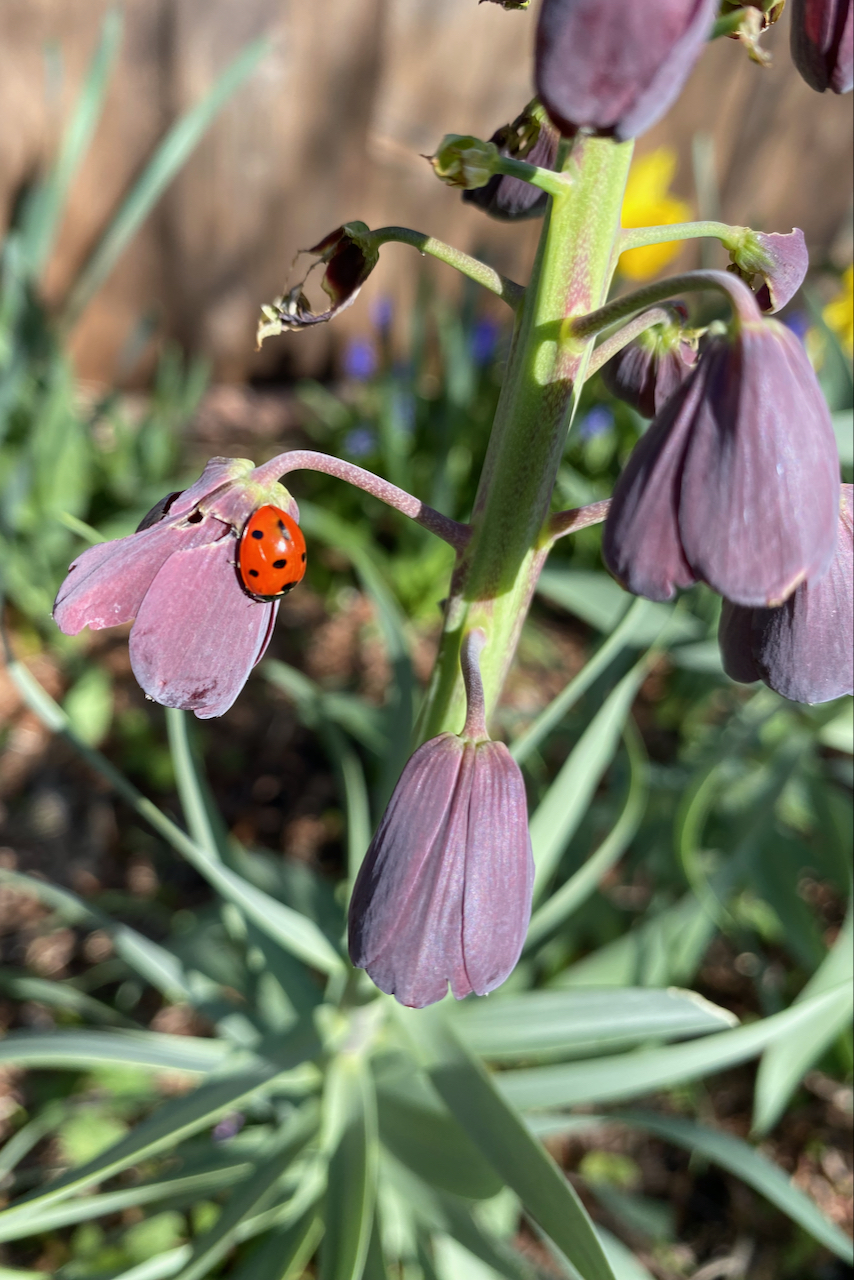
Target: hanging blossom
(444,893)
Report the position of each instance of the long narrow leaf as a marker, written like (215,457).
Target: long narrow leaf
(170,156)
(211,1248)
(286,1252)
(514,1153)
(785,1063)
(578,888)
(74,1050)
(559,813)
(752,1167)
(169,1125)
(628,1075)
(61,995)
(350,1136)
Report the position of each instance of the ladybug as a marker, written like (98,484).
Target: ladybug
(271,555)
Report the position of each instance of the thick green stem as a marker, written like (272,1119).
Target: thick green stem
(498,570)
(640,237)
(507,290)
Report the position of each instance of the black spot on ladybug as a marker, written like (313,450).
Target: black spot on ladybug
(280,564)
(195,517)
(289,586)
(253,573)
(302,557)
(258,533)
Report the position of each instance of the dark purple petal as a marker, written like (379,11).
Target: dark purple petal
(528,138)
(735,637)
(348,260)
(804,650)
(197,634)
(822,36)
(759,491)
(640,545)
(613,67)
(649,370)
(499,881)
(781,260)
(444,893)
(106,584)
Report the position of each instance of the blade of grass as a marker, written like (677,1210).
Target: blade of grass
(289,928)
(169,157)
(61,995)
(40,226)
(557,709)
(578,888)
(559,813)
(350,1137)
(501,1135)
(73,1050)
(785,1063)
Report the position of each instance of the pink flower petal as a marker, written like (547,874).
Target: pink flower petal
(197,634)
(106,584)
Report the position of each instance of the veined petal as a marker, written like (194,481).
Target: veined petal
(107,583)
(197,634)
(640,545)
(499,879)
(760,481)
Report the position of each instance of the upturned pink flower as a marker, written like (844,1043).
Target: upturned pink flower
(614,67)
(444,893)
(196,632)
(736,482)
(780,260)
(803,650)
(822,36)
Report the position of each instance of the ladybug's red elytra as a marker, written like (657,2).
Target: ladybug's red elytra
(271,555)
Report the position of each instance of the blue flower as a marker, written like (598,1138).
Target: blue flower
(360,442)
(595,423)
(360,359)
(483,340)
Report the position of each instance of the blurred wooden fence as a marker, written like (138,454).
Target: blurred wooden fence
(331,127)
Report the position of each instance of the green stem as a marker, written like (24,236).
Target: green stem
(507,290)
(556,184)
(498,570)
(640,237)
(582,328)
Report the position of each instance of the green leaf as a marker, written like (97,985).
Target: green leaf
(203,821)
(350,1137)
(623,1262)
(60,995)
(162,1268)
(785,1063)
(73,1050)
(500,1133)
(598,600)
(843,425)
(89,705)
(45,212)
(285,1253)
(577,889)
(745,1162)
(253,1195)
(551,716)
(627,1075)
(559,813)
(578,1024)
(169,1125)
(355,716)
(170,156)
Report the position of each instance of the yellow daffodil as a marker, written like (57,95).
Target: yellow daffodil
(838,315)
(648,203)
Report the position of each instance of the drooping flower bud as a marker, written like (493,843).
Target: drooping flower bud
(736,482)
(349,256)
(822,39)
(464,161)
(197,633)
(803,650)
(533,138)
(781,261)
(444,893)
(615,68)
(651,368)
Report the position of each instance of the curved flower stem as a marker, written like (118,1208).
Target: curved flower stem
(556,184)
(639,237)
(564,522)
(470,651)
(646,320)
(507,290)
(307,460)
(740,297)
